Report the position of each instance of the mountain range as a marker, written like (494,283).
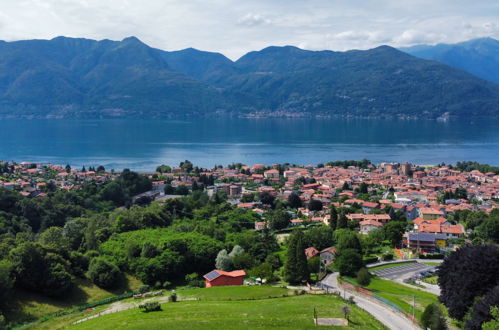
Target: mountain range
(478,56)
(82,78)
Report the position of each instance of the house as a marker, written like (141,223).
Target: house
(367,226)
(260,225)
(427,242)
(271,174)
(296,222)
(428,213)
(311,252)
(221,278)
(327,255)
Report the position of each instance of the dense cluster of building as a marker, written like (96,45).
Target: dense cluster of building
(416,192)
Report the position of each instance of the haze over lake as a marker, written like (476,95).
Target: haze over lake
(141,145)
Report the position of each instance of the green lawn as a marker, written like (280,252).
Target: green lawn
(430,279)
(294,312)
(233,293)
(391,265)
(400,295)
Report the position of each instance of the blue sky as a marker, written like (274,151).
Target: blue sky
(236,27)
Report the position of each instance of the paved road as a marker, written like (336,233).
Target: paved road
(385,315)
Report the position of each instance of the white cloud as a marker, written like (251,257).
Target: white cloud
(253,20)
(413,37)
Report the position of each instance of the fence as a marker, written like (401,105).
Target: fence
(349,286)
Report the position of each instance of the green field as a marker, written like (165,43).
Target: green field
(398,264)
(400,295)
(225,308)
(271,313)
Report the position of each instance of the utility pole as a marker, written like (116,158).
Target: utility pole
(414,307)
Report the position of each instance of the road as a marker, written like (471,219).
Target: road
(385,315)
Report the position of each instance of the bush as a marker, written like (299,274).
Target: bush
(387,256)
(363,277)
(173,297)
(150,307)
(433,318)
(103,273)
(370,259)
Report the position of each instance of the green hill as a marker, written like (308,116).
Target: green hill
(81,78)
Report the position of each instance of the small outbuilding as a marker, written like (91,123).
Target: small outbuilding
(222,278)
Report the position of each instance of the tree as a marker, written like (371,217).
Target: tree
(266,198)
(37,269)
(315,205)
(393,231)
(68,168)
(294,200)
(346,311)
(223,260)
(163,169)
(349,262)
(345,186)
(468,272)
(347,239)
(363,277)
(494,323)
(263,271)
(314,265)
(296,268)
(6,280)
(342,221)
(433,318)
(363,188)
(182,190)
(243,261)
(279,219)
(481,310)
(333,220)
(319,237)
(103,273)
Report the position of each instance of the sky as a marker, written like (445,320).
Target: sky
(234,28)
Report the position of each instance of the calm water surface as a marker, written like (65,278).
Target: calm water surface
(143,144)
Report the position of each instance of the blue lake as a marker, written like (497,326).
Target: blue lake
(143,144)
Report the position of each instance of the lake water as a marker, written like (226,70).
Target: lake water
(143,144)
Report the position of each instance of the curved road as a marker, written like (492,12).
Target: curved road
(385,315)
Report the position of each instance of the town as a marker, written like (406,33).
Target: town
(372,230)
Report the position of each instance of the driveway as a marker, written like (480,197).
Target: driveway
(385,315)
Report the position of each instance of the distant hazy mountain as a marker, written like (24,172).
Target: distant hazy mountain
(66,77)
(478,56)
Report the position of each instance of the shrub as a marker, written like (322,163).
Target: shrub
(144,288)
(433,318)
(103,273)
(363,277)
(173,297)
(150,307)
(387,256)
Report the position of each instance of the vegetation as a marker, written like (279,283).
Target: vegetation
(296,268)
(235,310)
(466,274)
(433,318)
(177,84)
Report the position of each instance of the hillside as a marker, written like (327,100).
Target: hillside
(81,78)
(478,56)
